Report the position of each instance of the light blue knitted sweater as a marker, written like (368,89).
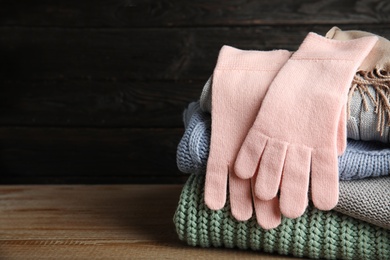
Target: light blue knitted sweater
(361,159)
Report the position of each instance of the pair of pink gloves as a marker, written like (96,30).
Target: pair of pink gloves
(278,121)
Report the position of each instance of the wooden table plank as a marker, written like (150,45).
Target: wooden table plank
(97,222)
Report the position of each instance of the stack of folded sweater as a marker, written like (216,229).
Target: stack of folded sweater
(219,142)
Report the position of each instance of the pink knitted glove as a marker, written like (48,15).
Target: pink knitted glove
(300,123)
(240,81)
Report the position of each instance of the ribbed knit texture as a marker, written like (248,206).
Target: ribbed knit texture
(194,146)
(367,199)
(364,159)
(360,160)
(315,234)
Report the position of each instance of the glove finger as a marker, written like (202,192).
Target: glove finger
(295,181)
(215,185)
(270,169)
(324,178)
(267,213)
(240,197)
(248,157)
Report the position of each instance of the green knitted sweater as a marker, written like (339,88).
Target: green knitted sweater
(316,234)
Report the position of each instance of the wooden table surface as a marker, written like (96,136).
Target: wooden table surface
(97,222)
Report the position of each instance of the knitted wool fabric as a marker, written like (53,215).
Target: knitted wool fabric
(373,73)
(253,71)
(360,160)
(363,119)
(362,123)
(300,128)
(316,234)
(194,146)
(364,159)
(367,199)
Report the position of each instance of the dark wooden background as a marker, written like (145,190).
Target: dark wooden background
(93,91)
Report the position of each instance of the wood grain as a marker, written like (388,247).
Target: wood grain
(93,91)
(102,103)
(136,54)
(105,78)
(170,13)
(89,155)
(128,54)
(97,222)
